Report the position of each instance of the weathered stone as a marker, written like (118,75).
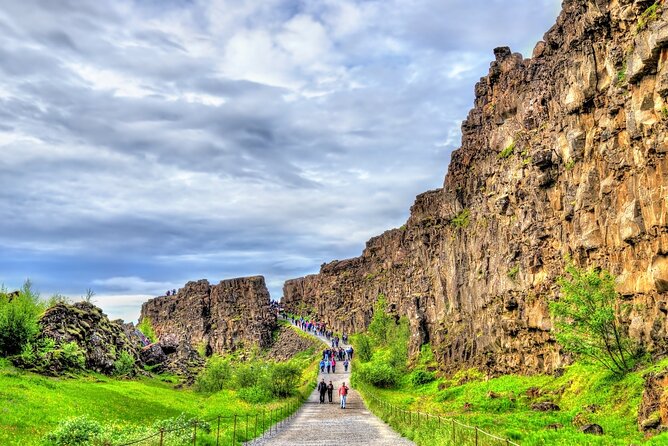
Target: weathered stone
(593,429)
(101,340)
(545,406)
(214,318)
(153,355)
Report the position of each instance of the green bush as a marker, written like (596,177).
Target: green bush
(36,355)
(146,327)
(363,348)
(124,365)
(72,357)
(248,375)
(421,377)
(588,322)
(80,431)
(283,378)
(215,375)
(19,319)
(379,374)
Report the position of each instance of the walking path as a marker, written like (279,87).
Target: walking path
(327,424)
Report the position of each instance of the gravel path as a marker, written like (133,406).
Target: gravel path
(328,424)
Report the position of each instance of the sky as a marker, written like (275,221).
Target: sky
(147,143)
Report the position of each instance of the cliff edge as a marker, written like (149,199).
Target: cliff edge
(563,154)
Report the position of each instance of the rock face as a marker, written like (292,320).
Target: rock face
(564,154)
(101,339)
(214,318)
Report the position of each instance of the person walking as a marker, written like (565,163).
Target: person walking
(322,366)
(330,391)
(322,388)
(345,365)
(328,365)
(343,394)
(333,365)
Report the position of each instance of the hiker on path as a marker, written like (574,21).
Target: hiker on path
(333,365)
(345,365)
(343,393)
(322,366)
(322,388)
(328,365)
(330,391)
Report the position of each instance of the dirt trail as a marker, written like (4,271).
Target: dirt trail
(328,424)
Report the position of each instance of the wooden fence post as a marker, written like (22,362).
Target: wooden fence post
(162,435)
(195,433)
(234,431)
(218,432)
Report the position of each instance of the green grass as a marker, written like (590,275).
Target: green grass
(32,405)
(509,415)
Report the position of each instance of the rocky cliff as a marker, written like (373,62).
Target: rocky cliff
(563,154)
(216,318)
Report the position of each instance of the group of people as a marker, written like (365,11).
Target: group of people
(328,389)
(171,292)
(330,365)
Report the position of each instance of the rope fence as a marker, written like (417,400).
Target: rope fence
(447,431)
(221,430)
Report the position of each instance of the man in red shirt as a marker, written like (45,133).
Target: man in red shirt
(343,393)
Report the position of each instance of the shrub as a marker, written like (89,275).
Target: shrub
(80,431)
(283,378)
(215,375)
(381,322)
(378,373)
(146,327)
(36,355)
(72,356)
(363,348)
(587,322)
(247,375)
(124,365)
(19,319)
(421,377)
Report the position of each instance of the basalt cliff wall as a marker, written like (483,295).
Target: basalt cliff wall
(563,154)
(219,318)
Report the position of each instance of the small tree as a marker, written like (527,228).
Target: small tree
(587,322)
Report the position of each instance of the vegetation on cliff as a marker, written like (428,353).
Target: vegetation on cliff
(606,386)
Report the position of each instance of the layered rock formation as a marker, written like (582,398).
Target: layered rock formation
(214,318)
(100,339)
(564,154)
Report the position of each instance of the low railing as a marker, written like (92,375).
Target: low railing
(232,429)
(447,431)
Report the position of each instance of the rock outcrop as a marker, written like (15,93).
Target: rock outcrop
(101,340)
(563,154)
(219,318)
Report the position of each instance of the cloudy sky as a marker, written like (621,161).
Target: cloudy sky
(145,143)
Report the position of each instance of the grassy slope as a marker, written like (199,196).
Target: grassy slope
(510,414)
(32,405)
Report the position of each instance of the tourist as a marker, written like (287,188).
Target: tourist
(322,366)
(343,393)
(330,391)
(328,365)
(333,365)
(322,388)
(345,365)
